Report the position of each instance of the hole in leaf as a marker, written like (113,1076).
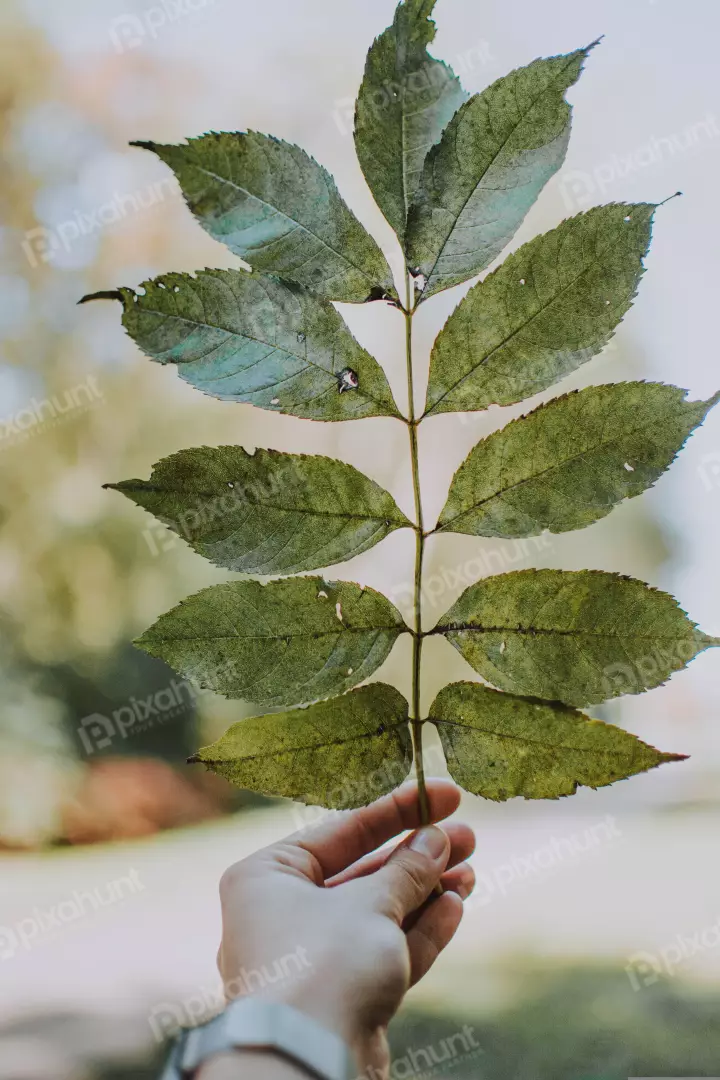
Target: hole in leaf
(347,380)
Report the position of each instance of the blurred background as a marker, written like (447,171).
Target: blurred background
(592,946)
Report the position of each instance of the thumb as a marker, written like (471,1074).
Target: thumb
(411,873)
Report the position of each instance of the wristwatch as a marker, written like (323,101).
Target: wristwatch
(253,1024)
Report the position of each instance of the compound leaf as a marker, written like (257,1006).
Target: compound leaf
(500,746)
(267,512)
(571,461)
(250,338)
(275,207)
(492,162)
(340,753)
(549,308)
(284,643)
(574,636)
(405,101)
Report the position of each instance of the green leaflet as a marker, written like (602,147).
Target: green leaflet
(549,308)
(288,642)
(405,101)
(340,754)
(493,160)
(247,337)
(571,461)
(573,636)
(267,512)
(455,178)
(275,207)
(500,746)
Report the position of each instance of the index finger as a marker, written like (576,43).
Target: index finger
(343,839)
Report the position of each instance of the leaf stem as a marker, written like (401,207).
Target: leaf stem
(416,716)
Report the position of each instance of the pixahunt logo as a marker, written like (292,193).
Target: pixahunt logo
(97,731)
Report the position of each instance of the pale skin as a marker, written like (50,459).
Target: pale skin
(368,924)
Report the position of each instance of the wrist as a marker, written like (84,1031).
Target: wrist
(313,993)
(255,1064)
(268,1030)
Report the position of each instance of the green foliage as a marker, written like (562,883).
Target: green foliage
(249,337)
(267,512)
(340,753)
(275,207)
(455,178)
(492,162)
(549,308)
(500,746)
(405,102)
(575,636)
(287,642)
(571,461)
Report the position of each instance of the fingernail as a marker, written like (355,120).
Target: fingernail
(429,841)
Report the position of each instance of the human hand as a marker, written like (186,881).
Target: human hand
(364,922)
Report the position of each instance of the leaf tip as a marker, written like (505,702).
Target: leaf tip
(665,758)
(675,195)
(194,759)
(143,144)
(141,642)
(104,294)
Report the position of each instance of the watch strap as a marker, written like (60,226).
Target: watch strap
(255,1024)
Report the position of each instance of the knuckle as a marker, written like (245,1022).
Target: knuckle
(299,859)
(229,880)
(415,876)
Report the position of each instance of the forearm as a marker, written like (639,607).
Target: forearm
(251,1065)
